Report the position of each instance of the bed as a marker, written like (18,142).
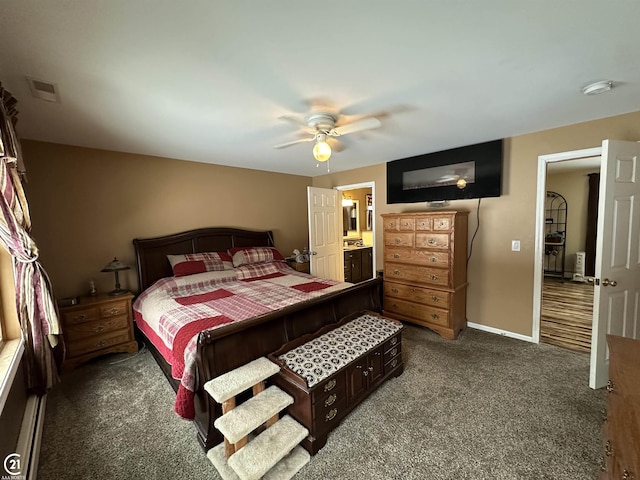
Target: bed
(229,345)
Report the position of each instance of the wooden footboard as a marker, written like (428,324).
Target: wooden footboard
(231,346)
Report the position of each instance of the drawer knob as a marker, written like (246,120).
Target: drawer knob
(101,344)
(435,316)
(398,240)
(396,255)
(627,475)
(80,318)
(394,352)
(331,399)
(365,373)
(394,290)
(609,386)
(394,363)
(371,369)
(608,451)
(330,385)
(433,259)
(433,277)
(331,415)
(396,272)
(113,311)
(98,329)
(431,241)
(434,298)
(394,340)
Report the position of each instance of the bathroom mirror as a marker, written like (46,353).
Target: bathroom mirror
(351,220)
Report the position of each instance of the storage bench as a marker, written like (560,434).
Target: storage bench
(330,372)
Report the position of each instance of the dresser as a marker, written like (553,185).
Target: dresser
(622,427)
(96,326)
(425,269)
(331,372)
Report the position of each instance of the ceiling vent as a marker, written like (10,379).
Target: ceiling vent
(43,90)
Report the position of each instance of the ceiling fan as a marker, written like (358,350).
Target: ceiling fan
(323,127)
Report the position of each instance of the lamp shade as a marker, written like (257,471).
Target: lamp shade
(115,265)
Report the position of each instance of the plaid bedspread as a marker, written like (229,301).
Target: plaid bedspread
(174,310)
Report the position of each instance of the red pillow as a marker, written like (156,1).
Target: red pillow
(191,263)
(251,255)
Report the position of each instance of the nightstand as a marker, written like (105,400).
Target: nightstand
(96,326)
(299,266)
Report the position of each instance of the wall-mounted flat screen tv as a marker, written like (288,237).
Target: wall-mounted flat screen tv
(473,171)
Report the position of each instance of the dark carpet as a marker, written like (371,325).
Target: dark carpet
(481,407)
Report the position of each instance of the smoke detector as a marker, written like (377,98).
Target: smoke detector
(43,90)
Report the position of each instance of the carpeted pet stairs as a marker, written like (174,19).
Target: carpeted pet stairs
(273,454)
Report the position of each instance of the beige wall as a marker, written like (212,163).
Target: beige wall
(88,205)
(574,187)
(500,293)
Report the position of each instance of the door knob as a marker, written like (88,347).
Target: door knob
(606,282)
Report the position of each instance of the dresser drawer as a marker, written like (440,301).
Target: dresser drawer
(425,313)
(80,316)
(392,342)
(330,418)
(392,353)
(414,256)
(392,364)
(399,239)
(114,309)
(435,298)
(323,402)
(432,240)
(442,223)
(391,224)
(416,274)
(97,342)
(87,329)
(423,223)
(407,224)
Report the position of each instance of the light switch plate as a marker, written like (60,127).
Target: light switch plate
(515,245)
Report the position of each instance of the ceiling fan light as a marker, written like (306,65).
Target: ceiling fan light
(597,87)
(321,151)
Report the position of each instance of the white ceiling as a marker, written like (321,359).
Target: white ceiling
(207,80)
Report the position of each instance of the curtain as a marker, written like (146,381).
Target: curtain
(36,310)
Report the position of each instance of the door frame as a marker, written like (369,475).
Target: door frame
(538,270)
(371,185)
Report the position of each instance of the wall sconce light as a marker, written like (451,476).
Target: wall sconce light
(461,183)
(347,202)
(116,266)
(321,150)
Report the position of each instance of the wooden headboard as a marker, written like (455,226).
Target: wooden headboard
(151,253)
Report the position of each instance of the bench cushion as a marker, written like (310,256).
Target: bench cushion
(321,357)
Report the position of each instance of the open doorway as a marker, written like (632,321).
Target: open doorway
(570,215)
(358,231)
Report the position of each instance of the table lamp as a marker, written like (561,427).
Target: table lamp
(116,266)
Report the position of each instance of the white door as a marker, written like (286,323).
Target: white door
(617,289)
(325,233)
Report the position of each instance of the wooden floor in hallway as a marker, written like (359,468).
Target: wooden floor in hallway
(567,310)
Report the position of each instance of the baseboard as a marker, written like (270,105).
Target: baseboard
(30,438)
(504,333)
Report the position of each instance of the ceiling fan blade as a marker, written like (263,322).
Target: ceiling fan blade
(288,144)
(335,144)
(364,124)
(294,120)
